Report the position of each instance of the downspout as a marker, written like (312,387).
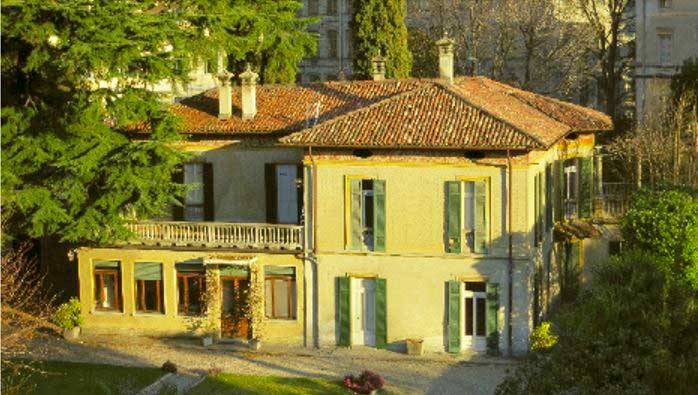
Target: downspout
(510,268)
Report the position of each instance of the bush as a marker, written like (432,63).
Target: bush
(169,367)
(542,337)
(366,382)
(68,316)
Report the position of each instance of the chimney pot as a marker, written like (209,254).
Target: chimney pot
(445,46)
(248,91)
(225,95)
(378,68)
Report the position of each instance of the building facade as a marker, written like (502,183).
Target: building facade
(361,213)
(667,35)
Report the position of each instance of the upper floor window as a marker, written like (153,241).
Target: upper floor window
(664,3)
(198,200)
(539,205)
(284,192)
(107,285)
(313,7)
(332,43)
(570,190)
(331,7)
(467,216)
(665,42)
(366,214)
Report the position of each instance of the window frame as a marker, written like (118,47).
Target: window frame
(488,214)
(201,276)
(292,299)
(570,185)
(474,295)
(140,291)
(347,213)
(668,35)
(201,186)
(101,272)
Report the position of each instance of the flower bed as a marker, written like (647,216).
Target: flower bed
(366,383)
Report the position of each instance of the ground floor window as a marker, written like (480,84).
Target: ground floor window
(107,288)
(280,292)
(475,297)
(149,289)
(191,285)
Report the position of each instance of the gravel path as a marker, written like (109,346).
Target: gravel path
(437,373)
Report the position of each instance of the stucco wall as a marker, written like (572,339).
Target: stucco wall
(170,323)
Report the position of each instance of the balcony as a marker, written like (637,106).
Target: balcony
(613,202)
(244,236)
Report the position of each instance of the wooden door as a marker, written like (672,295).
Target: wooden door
(234,292)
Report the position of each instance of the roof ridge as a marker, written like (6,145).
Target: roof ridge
(359,110)
(449,88)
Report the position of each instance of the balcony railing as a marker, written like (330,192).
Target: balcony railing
(614,200)
(218,235)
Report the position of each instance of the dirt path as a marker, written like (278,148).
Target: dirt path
(431,374)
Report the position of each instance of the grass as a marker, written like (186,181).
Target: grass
(68,378)
(236,384)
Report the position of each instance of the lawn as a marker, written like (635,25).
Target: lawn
(67,378)
(236,384)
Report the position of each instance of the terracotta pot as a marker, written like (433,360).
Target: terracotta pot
(255,344)
(71,334)
(207,340)
(415,346)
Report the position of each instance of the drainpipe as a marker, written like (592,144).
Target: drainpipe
(510,268)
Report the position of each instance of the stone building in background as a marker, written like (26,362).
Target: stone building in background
(667,35)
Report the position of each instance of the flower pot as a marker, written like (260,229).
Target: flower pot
(207,340)
(415,346)
(255,344)
(71,334)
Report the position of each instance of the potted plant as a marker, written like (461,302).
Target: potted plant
(415,346)
(254,309)
(368,382)
(68,318)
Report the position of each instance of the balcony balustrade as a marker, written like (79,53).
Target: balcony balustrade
(249,236)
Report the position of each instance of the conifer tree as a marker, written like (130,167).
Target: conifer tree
(76,77)
(379,28)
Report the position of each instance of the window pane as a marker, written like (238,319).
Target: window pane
(475,286)
(108,292)
(281,290)
(468,316)
(194,213)
(194,174)
(469,213)
(268,298)
(480,313)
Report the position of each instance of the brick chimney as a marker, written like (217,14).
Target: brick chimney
(378,68)
(225,95)
(445,46)
(248,80)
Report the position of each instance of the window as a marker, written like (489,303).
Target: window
(664,3)
(467,216)
(191,285)
(366,214)
(570,191)
(280,292)
(332,43)
(475,297)
(665,43)
(313,7)
(148,278)
(284,192)
(107,288)
(538,208)
(194,199)
(549,196)
(331,7)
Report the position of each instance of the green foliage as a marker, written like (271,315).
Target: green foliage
(75,75)
(632,331)
(543,338)
(685,82)
(425,56)
(665,222)
(68,316)
(379,28)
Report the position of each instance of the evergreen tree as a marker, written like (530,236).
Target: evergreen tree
(75,82)
(379,28)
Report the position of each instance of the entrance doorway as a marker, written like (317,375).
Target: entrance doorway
(363,311)
(474,318)
(234,290)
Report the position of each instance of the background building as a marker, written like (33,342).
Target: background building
(667,34)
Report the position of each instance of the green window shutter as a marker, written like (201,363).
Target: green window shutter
(454,316)
(148,271)
(343,285)
(559,190)
(586,182)
(492,327)
(381,310)
(573,256)
(481,228)
(549,196)
(536,208)
(379,215)
(355,227)
(453,200)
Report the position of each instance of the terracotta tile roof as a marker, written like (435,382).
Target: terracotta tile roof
(473,112)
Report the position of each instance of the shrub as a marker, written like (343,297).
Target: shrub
(169,367)
(68,316)
(542,337)
(366,382)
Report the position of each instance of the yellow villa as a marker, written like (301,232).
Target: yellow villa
(362,213)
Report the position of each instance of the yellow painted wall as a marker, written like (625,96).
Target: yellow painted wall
(169,323)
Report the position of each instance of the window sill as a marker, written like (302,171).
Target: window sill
(281,319)
(106,312)
(148,314)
